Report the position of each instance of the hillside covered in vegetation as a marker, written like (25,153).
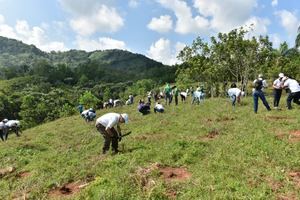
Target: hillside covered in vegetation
(206,151)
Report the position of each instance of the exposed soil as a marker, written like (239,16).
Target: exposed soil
(274,118)
(274,185)
(67,189)
(294,136)
(295,177)
(145,181)
(212,134)
(174,174)
(225,119)
(23,174)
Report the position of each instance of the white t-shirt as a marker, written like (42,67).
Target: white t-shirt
(234,91)
(109,120)
(277,83)
(292,84)
(12,123)
(159,107)
(85,112)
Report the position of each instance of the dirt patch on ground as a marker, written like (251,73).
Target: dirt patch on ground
(174,174)
(294,136)
(274,118)
(225,119)
(145,177)
(274,185)
(295,177)
(68,189)
(23,174)
(211,135)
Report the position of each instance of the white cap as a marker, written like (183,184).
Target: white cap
(281,75)
(260,76)
(5,120)
(125,117)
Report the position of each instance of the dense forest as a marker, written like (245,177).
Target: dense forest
(37,87)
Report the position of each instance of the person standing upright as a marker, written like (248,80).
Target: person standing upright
(259,85)
(277,86)
(167,94)
(175,94)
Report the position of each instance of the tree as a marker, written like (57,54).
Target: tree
(88,100)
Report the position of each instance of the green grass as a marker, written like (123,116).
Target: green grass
(245,161)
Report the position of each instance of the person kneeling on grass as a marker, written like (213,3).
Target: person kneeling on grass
(106,126)
(143,108)
(234,94)
(159,108)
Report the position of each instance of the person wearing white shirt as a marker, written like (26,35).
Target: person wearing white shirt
(106,125)
(294,95)
(158,108)
(277,86)
(234,94)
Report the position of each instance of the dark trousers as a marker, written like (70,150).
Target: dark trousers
(293,96)
(145,110)
(176,100)
(182,97)
(108,139)
(168,98)
(277,95)
(4,133)
(233,99)
(259,94)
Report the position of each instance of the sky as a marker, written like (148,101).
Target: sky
(158,29)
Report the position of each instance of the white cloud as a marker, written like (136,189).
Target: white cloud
(102,43)
(288,21)
(186,23)
(2,19)
(257,26)
(105,19)
(133,3)
(274,3)
(30,35)
(163,51)
(225,14)
(93,16)
(162,24)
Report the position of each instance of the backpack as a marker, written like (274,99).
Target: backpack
(258,85)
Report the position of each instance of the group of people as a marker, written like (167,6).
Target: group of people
(7,125)
(259,85)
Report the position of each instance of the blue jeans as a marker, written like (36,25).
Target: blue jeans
(233,99)
(259,94)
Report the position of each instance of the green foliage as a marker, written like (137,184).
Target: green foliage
(67,110)
(88,100)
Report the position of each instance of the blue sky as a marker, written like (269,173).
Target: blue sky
(156,28)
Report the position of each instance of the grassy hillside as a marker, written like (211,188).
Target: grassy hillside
(229,154)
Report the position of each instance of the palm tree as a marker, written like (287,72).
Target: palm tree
(297,41)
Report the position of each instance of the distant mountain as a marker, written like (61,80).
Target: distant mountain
(11,48)
(15,54)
